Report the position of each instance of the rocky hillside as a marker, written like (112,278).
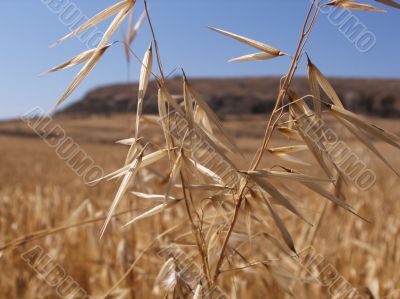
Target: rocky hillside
(244,96)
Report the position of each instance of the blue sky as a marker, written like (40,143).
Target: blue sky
(28,28)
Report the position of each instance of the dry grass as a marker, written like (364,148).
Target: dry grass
(38,197)
(195,216)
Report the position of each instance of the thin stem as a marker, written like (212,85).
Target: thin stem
(270,126)
(154,41)
(226,240)
(195,229)
(288,80)
(250,265)
(196,232)
(313,232)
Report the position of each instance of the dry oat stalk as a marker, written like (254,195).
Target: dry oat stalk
(214,231)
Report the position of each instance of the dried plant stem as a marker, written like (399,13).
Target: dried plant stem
(287,81)
(227,237)
(197,232)
(270,126)
(50,231)
(220,227)
(158,57)
(131,280)
(321,217)
(200,245)
(154,41)
(139,256)
(311,236)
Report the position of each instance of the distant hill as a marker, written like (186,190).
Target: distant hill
(243,96)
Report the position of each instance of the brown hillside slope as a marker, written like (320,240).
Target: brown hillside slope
(245,96)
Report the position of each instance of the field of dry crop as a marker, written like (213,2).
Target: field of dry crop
(41,199)
(183,205)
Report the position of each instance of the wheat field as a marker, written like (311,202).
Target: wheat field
(298,203)
(43,194)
